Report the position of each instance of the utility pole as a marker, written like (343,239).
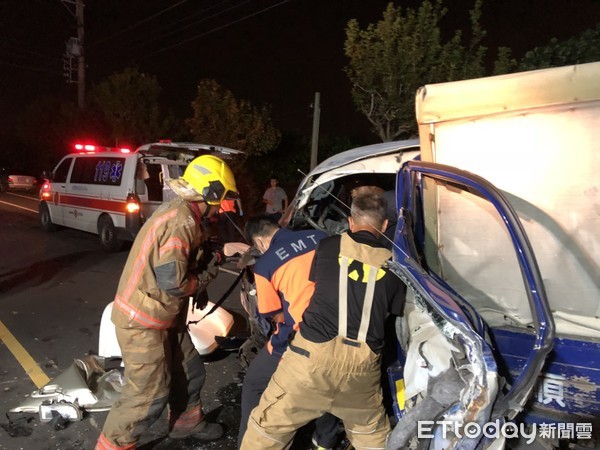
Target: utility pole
(81,59)
(75,50)
(315,131)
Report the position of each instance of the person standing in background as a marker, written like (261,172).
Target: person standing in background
(276,199)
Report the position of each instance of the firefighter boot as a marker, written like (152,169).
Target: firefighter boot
(204,431)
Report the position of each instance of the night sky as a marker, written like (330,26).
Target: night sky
(267,51)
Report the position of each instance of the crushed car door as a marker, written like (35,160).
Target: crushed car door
(446,217)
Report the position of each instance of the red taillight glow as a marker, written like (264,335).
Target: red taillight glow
(45,191)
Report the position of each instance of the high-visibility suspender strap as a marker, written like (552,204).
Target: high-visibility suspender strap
(343,298)
(367,305)
(365,319)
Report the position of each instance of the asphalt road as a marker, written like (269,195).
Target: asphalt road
(53,290)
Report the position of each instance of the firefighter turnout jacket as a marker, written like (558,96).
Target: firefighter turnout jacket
(159,274)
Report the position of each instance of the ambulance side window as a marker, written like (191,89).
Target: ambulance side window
(61,172)
(98,170)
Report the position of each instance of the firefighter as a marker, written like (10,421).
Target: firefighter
(167,264)
(333,363)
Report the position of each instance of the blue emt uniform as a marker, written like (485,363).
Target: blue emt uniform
(283,291)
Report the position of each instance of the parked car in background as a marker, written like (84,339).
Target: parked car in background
(20,182)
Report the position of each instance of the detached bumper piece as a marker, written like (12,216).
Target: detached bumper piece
(59,413)
(84,386)
(69,411)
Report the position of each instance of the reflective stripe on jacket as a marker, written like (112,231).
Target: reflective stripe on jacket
(156,280)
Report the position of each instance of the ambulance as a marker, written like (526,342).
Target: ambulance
(111,191)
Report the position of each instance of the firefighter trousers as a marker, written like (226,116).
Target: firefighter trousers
(161,367)
(256,381)
(341,377)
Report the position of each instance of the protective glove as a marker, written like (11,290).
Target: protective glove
(206,266)
(200,299)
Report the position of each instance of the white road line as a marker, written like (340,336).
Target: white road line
(29,197)
(20,207)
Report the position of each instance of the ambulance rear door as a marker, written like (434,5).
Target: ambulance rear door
(151,182)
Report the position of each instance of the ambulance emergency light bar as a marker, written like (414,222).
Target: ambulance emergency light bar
(90,148)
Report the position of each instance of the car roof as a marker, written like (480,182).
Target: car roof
(368,151)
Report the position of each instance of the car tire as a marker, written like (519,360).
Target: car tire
(108,235)
(46,219)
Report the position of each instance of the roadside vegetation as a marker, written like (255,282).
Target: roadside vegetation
(387,62)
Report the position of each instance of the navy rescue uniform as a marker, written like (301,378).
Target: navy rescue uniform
(283,290)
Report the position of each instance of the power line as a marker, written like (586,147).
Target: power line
(34,69)
(233,22)
(10,47)
(15,56)
(153,35)
(204,19)
(24,46)
(135,25)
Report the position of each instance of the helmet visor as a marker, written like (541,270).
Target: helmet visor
(214,193)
